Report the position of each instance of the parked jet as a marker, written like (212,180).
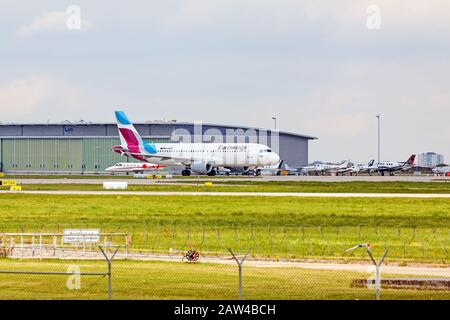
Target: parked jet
(133,167)
(359,168)
(269,170)
(322,168)
(290,171)
(372,166)
(203,158)
(392,167)
(442,171)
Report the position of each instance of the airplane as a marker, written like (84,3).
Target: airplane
(359,168)
(134,167)
(323,168)
(442,171)
(369,168)
(269,170)
(290,171)
(308,169)
(392,167)
(202,158)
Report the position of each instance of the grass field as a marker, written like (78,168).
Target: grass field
(165,280)
(276,227)
(268,186)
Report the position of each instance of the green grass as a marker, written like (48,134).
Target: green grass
(104,175)
(171,280)
(268,186)
(276,227)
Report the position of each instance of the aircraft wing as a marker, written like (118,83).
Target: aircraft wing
(179,160)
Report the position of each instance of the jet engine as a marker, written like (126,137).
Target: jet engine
(120,150)
(202,168)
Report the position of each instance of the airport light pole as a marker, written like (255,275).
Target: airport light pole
(378,118)
(275,119)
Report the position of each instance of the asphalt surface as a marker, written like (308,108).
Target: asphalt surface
(237,194)
(131,181)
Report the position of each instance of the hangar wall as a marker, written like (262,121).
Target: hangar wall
(86,147)
(59,155)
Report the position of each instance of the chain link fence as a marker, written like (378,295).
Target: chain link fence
(284,262)
(406,244)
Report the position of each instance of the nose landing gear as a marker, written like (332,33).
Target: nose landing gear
(186,172)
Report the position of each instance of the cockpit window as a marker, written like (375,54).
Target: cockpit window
(265,150)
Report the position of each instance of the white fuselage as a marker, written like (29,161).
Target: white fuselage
(324,167)
(392,166)
(215,154)
(442,170)
(133,167)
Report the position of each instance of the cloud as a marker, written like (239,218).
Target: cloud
(31,97)
(21,96)
(54,21)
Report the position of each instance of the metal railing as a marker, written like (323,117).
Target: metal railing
(40,245)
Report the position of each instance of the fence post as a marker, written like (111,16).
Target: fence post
(109,262)
(21,245)
(239,263)
(377,272)
(40,247)
(32,245)
(54,245)
(126,245)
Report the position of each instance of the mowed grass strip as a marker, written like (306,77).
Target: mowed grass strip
(275,227)
(174,280)
(268,186)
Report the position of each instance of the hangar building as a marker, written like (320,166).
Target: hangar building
(84,147)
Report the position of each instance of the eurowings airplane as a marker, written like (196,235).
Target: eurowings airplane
(203,158)
(134,167)
(392,167)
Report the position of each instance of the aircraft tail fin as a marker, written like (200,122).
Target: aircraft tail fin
(411,159)
(344,164)
(130,137)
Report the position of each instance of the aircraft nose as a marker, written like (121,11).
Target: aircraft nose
(275,158)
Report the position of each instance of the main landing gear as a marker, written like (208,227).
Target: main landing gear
(212,173)
(187,173)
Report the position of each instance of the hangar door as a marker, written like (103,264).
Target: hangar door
(42,154)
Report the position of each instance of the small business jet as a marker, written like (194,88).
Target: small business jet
(359,168)
(442,171)
(133,167)
(322,168)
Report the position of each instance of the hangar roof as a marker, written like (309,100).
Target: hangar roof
(156,122)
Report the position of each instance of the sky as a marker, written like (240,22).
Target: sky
(322,68)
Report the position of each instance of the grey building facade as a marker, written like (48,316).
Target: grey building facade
(86,147)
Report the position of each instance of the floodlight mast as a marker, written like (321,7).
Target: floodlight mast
(377,265)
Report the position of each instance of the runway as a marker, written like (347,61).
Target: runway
(133,181)
(234,194)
